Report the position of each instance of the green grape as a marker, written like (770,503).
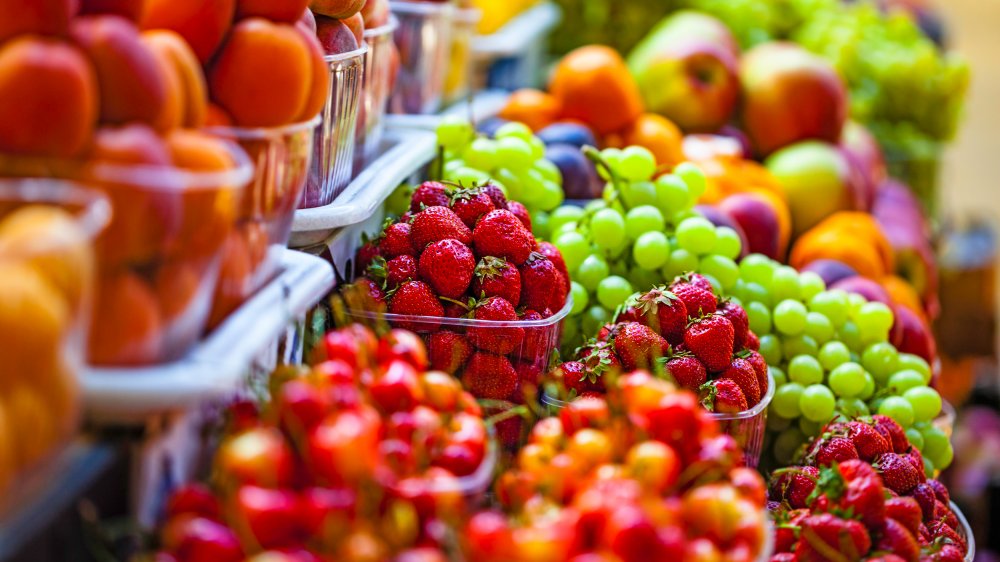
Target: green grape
(789,317)
(832,304)
(916,363)
(852,407)
(516,130)
(533,184)
(642,219)
(613,157)
(595,205)
(639,193)
(551,195)
(881,360)
(770,349)
(757,293)
(454,132)
(693,177)
(848,333)
(758,268)
(451,166)
(672,194)
(681,216)
(799,345)
(874,319)
(594,319)
(777,423)
(739,290)
(399,201)
(591,272)
(568,227)
(716,286)
(847,380)
(759,317)
(680,261)
(819,327)
(574,248)
(515,153)
(696,235)
(469,176)
(854,304)
(904,380)
(787,445)
(515,187)
(832,354)
(644,280)
(926,402)
(935,442)
(943,460)
(571,329)
(810,285)
(817,403)
(564,215)
(612,291)
(727,243)
(897,408)
(608,228)
(481,154)
(721,268)
(785,284)
(651,250)
(805,370)
(779,376)
(786,400)
(537,149)
(540,225)
(869,390)
(637,163)
(580,297)
(548,170)
(810,427)
(915,438)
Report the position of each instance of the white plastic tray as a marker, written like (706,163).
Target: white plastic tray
(217,365)
(520,34)
(404,151)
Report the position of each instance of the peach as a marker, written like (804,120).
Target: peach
(177,286)
(27,409)
(203,23)
(193,150)
(335,36)
(49,95)
(263,73)
(356,24)
(130,80)
(288,11)
(189,92)
(319,88)
(307,21)
(131,9)
(128,329)
(235,273)
(131,144)
(339,9)
(375,13)
(36,17)
(217,117)
(25,294)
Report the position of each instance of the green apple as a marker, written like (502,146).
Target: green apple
(815,177)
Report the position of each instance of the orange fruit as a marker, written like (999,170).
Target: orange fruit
(659,135)
(534,108)
(27,409)
(33,320)
(128,330)
(593,84)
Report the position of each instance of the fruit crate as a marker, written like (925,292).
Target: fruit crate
(514,56)
(219,366)
(403,152)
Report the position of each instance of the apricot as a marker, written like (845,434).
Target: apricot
(131,9)
(194,150)
(38,433)
(234,282)
(287,11)
(339,9)
(33,319)
(658,134)
(534,108)
(8,463)
(263,73)
(188,99)
(202,23)
(319,88)
(593,84)
(49,240)
(49,95)
(127,329)
(36,17)
(131,83)
(131,144)
(178,284)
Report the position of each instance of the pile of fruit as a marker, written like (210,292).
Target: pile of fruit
(462,269)
(860,493)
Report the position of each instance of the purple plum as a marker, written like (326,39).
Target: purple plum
(759,222)
(865,287)
(580,180)
(567,133)
(830,271)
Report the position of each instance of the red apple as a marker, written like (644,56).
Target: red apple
(758,221)
(790,95)
(258,456)
(910,334)
(270,516)
(334,36)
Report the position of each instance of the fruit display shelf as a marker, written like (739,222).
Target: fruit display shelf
(217,365)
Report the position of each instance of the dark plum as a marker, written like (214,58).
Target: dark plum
(830,271)
(567,133)
(580,179)
(489,126)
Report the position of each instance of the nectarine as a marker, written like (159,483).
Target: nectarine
(203,23)
(356,24)
(335,36)
(288,11)
(339,9)
(188,91)
(36,17)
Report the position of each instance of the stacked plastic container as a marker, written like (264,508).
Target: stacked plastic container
(379,78)
(423,38)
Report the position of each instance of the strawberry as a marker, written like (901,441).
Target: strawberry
(906,510)
(940,531)
(429,194)
(827,537)
(742,373)
(456,310)
(737,316)
(892,432)
(536,340)
(496,195)
(897,539)
(395,241)
(599,358)
(759,367)
(489,376)
(448,351)
(917,460)
(924,495)
(494,277)
(575,376)
(549,250)
(710,338)
(723,396)
(787,529)
(521,212)
(940,492)
(500,233)
(687,371)
(697,301)
(470,204)
(447,266)
(437,223)
(947,553)
(371,294)
(868,441)
(696,279)
(897,473)
(662,311)
(943,512)
(366,253)
(393,273)
(502,339)
(528,375)
(794,485)
(415,298)
(828,451)
(637,346)
(753,342)
(541,284)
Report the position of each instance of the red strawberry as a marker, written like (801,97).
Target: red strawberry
(742,373)
(575,376)
(940,492)
(825,533)
(943,512)
(496,195)
(917,460)
(500,233)
(696,279)
(940,531)
(429,194)
(696,300)
(753,342)
(787,529)
(366,253)
(598,358)
(499,339)
(494,277)
(662,311)
(448,351)
(541,284)
(759,367)
(399,270)
(687,371)
(723,396)
(947,553)
(710,338)
(447,266)
(395,241)
(536,340)
(794,485)
(549,250)
(924,495)
(437,223)
(528,375)
(897,539)
(637,346)
(489,376)
(834,450)
(897,473)
(906,510)
(892,432)
(737,316)
(865,498)
(456,310)
(470,204)
(521,212)
(371,294)
(415,298)
(868,441)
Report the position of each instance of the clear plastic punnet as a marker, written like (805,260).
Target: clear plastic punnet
(424,42)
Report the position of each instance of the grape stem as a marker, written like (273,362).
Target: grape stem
(594,156)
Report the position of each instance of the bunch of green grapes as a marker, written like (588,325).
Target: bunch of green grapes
(830,356)
(642,233)
(514,160)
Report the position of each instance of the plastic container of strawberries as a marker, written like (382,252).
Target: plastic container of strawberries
(965,531)
(748,427)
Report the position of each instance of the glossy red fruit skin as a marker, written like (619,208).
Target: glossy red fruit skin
(499,233)
(203,540)
(448,351)
(270,516)
(470,204)
(194,499)
(402,345)
(318,507)
(301,406)
(429,194)
(396,241)
(490,376)
(497,340)
(710,339)
(495,277)
(437,223)
(447,266)
(397,388)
